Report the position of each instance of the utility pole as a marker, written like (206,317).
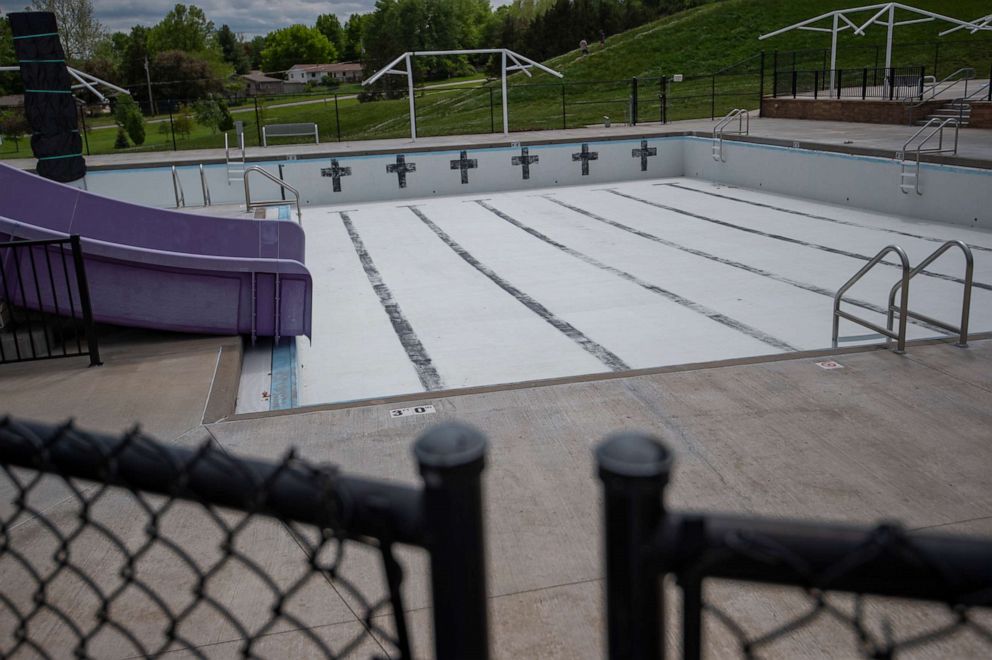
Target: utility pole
(148,77)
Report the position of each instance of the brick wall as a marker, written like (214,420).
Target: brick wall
(868,112)
(981,115)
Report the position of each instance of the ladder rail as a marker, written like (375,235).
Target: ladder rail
(743,118)
(240,172)
(938,125)
(177,188)
(249,205)
(204,186)
(903,284)
(964,73)
(969,271)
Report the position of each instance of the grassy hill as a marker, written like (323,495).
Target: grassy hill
(718,36)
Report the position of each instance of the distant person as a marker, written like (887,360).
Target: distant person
(584,47)
(602,38)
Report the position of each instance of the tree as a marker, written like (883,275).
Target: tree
(330,27)
(184,76)
(183,28)
(121,141)
(213,113)
(79,30)
(354,48)
(232,49)
(297,44)
(255,48)
(127,115)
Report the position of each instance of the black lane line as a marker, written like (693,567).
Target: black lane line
(415,350)
(817,217)
(787,239)
(612,361)
(699,308)
(734,264)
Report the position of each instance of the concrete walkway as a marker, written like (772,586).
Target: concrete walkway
(975,143)
(885,437)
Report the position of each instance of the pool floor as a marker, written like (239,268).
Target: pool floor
(453,292)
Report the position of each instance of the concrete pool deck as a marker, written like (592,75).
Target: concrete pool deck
(885,437)
(975,148)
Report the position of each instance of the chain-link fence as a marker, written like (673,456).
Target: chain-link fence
(125,547)
(758,587)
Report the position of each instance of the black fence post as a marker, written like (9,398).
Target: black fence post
(923,71)
(794,81)
(989,95)
(633,101)
(337,117)
(864,83)
(563,120)
(840,79)
(492,115)
(92,344)
(258,121)
(892,82)
(761,87)
(774,74)
(172,127)
(816,84)
(663,99)
(82,122)
(634,469)
(451,458)
(713,96)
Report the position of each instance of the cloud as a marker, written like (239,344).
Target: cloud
(249,17)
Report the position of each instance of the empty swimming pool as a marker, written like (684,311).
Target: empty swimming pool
(429,294)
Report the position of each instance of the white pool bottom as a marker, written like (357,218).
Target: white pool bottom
(520,287)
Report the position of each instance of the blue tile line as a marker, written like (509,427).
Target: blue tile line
(282,392)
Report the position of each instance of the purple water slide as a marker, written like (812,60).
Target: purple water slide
(158,268)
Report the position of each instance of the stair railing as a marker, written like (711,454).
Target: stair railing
(900,335)
(904,312)
(965,73)
(204,186)
(743,118)
(177,188)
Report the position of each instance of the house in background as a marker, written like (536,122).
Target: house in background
(339,72)
(257,83)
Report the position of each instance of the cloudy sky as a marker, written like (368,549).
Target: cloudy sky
(247,16)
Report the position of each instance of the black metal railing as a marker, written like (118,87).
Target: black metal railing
(823,563)
(125,546)
(45,307)
(894,83)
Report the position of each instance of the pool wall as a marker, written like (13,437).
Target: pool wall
(950,193)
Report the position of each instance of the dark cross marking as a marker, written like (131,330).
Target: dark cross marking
(643,153)
(401,168)
(335,172)
(464,163)
(585,156)
(524,159)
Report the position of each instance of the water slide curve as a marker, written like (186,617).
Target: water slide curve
(164,269)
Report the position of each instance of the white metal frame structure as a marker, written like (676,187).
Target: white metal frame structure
(882,14)
(84,80)
(983,23)
(519,63)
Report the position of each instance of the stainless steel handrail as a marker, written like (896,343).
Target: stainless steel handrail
(177,188)
(203,185)
(272,202)
(227,156)
(964,73)
(969,270)
(900,336)
(743,118)
(938,125)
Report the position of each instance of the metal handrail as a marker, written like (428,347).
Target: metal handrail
(964,73)
(743,118)
(900,336)
(273,202)
(177,188)
(969,269)
(203,185)
(227,155)
(938,125)
(981,90)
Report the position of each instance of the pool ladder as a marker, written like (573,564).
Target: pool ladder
(909,175)
(743,118)
(249,204)
(235,168)
(177,187)
(902,287)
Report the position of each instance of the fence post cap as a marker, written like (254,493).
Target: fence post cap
(634,454)
(451,444)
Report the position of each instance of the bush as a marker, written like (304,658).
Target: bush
(128,116)
(13,123)
(121,141)
(213,113)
